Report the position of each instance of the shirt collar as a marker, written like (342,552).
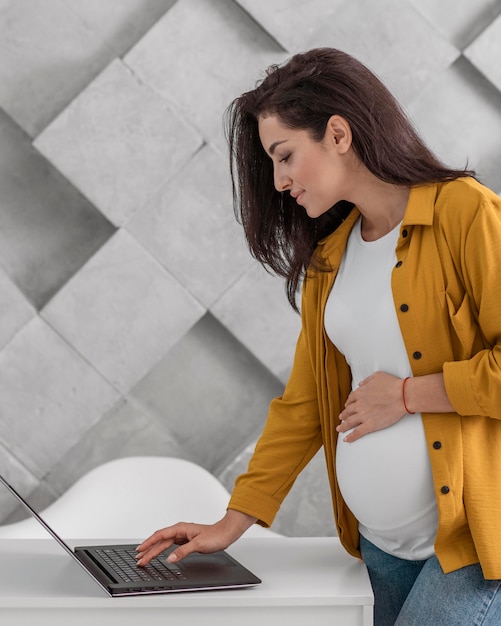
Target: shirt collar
(420,211)
(339,236)
(421,205)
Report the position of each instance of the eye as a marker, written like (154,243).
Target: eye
(285,158)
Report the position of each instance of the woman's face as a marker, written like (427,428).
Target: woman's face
(317,174)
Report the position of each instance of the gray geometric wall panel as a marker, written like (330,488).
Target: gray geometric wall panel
(133,320)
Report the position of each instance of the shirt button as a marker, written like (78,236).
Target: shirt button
(445,489)
(404,233)
(437,445)
(404,308)
(417,355)
(399,264)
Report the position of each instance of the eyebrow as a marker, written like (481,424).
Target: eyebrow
(275,144)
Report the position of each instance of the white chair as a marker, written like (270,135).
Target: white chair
(130,498)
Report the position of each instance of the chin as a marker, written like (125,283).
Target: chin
(314,212)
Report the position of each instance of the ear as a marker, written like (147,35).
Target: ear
(338,133)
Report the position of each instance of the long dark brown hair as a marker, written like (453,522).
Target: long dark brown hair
(305,92)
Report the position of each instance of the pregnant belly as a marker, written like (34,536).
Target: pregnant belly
(385,477)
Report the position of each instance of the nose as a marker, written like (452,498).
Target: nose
(282,181)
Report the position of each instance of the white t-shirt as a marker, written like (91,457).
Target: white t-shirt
(385,476)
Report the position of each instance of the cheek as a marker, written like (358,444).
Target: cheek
(314,174)
(311,177)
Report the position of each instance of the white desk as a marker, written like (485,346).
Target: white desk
(305,581)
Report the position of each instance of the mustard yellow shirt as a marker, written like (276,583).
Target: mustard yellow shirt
(449,275)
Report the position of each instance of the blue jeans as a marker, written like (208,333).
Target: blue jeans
(418,593)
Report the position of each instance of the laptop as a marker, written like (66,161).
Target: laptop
(114,569)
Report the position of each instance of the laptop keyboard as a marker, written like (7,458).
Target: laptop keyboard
(124,564)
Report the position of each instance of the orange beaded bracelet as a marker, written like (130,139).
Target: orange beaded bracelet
(403,397)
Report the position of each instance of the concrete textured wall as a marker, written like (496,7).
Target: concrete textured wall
(132,318)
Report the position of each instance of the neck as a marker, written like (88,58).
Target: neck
(382,206)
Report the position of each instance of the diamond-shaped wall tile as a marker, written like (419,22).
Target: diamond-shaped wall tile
(47,228)
(191,228)
(118,142)
(293,22)
(201,56)
(211,394)
(121,23)
(124,431)
(459,116)
(123,311)
(258,313)
(461,21)
(17,475)
(365,30)
(50,396)
(15,310)
(47,55)
(485,53)
(405,51)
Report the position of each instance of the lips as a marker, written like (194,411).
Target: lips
(297,195)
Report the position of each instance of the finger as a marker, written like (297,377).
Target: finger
(347,425)
(353,436)
(157,536)
(349,411)
(174,533)
(350,399)
(182,552)
(159,541)
(143,558)
(356,434)
(348,418)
